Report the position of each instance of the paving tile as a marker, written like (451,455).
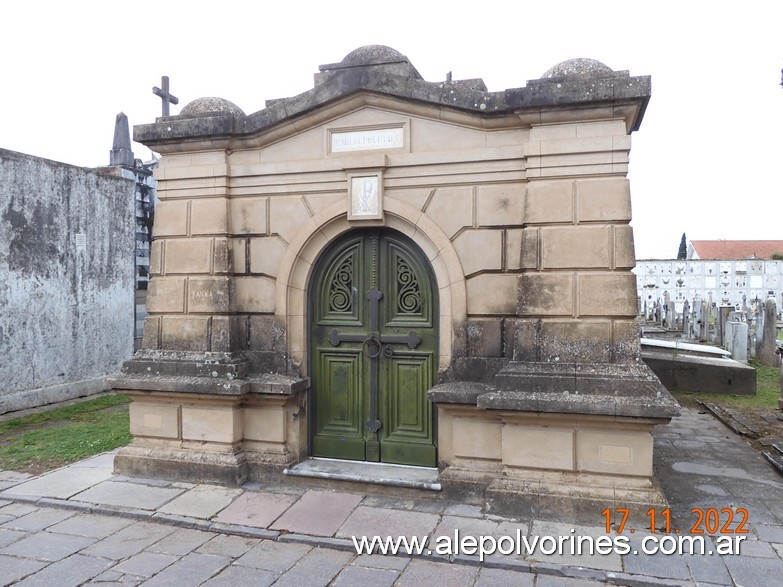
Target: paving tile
(540,529)
(226,545)
(14,476)
(758,549)
(366,521)
(241,576)
(129,541)
(504,578)
(47,546)
(128,495)
(273,556)
(10,536)
(315,569)
(203,501)
(511,528)
(18,509)
(192,569)
(769,533)
(102,461)
(13,568)
(655,565)
(182,541)
(69,572)
(708,568)
(465,510)
(256,509)
(38,520)
(62,484)
(379,561)
(91,525)
(432,506)
(352,576)
(433,574)
(149,481)
(552,581)
(145,564)
(456,528)
(318,513)
(753,571)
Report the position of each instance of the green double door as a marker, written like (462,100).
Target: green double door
(373,353)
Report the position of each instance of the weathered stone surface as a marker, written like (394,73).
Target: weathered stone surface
(682,372)
(67,278)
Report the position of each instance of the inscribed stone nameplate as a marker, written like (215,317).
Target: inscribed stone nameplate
(367,140)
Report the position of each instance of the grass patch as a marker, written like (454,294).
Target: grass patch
(767,391)
(47,440)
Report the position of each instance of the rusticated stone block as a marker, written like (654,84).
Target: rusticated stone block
(549,201)
(192,255)
(576,247)
(485,338)
(266,254)
(546,294)
(248,216)
(576,341)
(171,218)
(480,250)
(166,294)
(606,199)
(607,294)
(210,295)
(500,205)
(208,216)
(492,293)
(185,333)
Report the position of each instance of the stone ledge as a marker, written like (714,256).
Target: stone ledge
(458,392)
(262,384)
(187,364)
(618,379)
(180,384)
(594,404)
(276,384)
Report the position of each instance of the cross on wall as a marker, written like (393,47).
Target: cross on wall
(165,96)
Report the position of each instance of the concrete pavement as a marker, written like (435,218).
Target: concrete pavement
(82,525)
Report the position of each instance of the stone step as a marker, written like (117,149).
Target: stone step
(424,478)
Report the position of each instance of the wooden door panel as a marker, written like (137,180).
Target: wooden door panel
(339,397)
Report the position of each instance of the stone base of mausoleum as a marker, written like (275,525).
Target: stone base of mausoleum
(564,441)
(215,423)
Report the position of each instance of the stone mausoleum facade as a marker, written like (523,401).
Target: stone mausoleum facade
(391,270)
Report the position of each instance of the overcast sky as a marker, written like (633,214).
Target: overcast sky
(707,161)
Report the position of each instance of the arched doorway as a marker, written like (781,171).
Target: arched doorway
(373,353)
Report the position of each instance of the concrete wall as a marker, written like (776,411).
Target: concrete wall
(66,279)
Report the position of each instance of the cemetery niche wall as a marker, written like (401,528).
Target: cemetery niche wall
(386,269)
(66,279)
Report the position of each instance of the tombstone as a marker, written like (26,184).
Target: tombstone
(759,330)
(723,317)
(392,270)
(705,318)
(736,335)
(767,350)
(686,318)
(668,307)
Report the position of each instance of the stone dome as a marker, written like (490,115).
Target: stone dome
(581,67)
(210,105)
(372,55)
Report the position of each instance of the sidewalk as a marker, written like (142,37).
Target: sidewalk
(83,525)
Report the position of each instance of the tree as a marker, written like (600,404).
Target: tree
(683,252)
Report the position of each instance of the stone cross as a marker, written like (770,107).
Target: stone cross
(165,96)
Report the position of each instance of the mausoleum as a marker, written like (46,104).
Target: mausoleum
(384,269)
